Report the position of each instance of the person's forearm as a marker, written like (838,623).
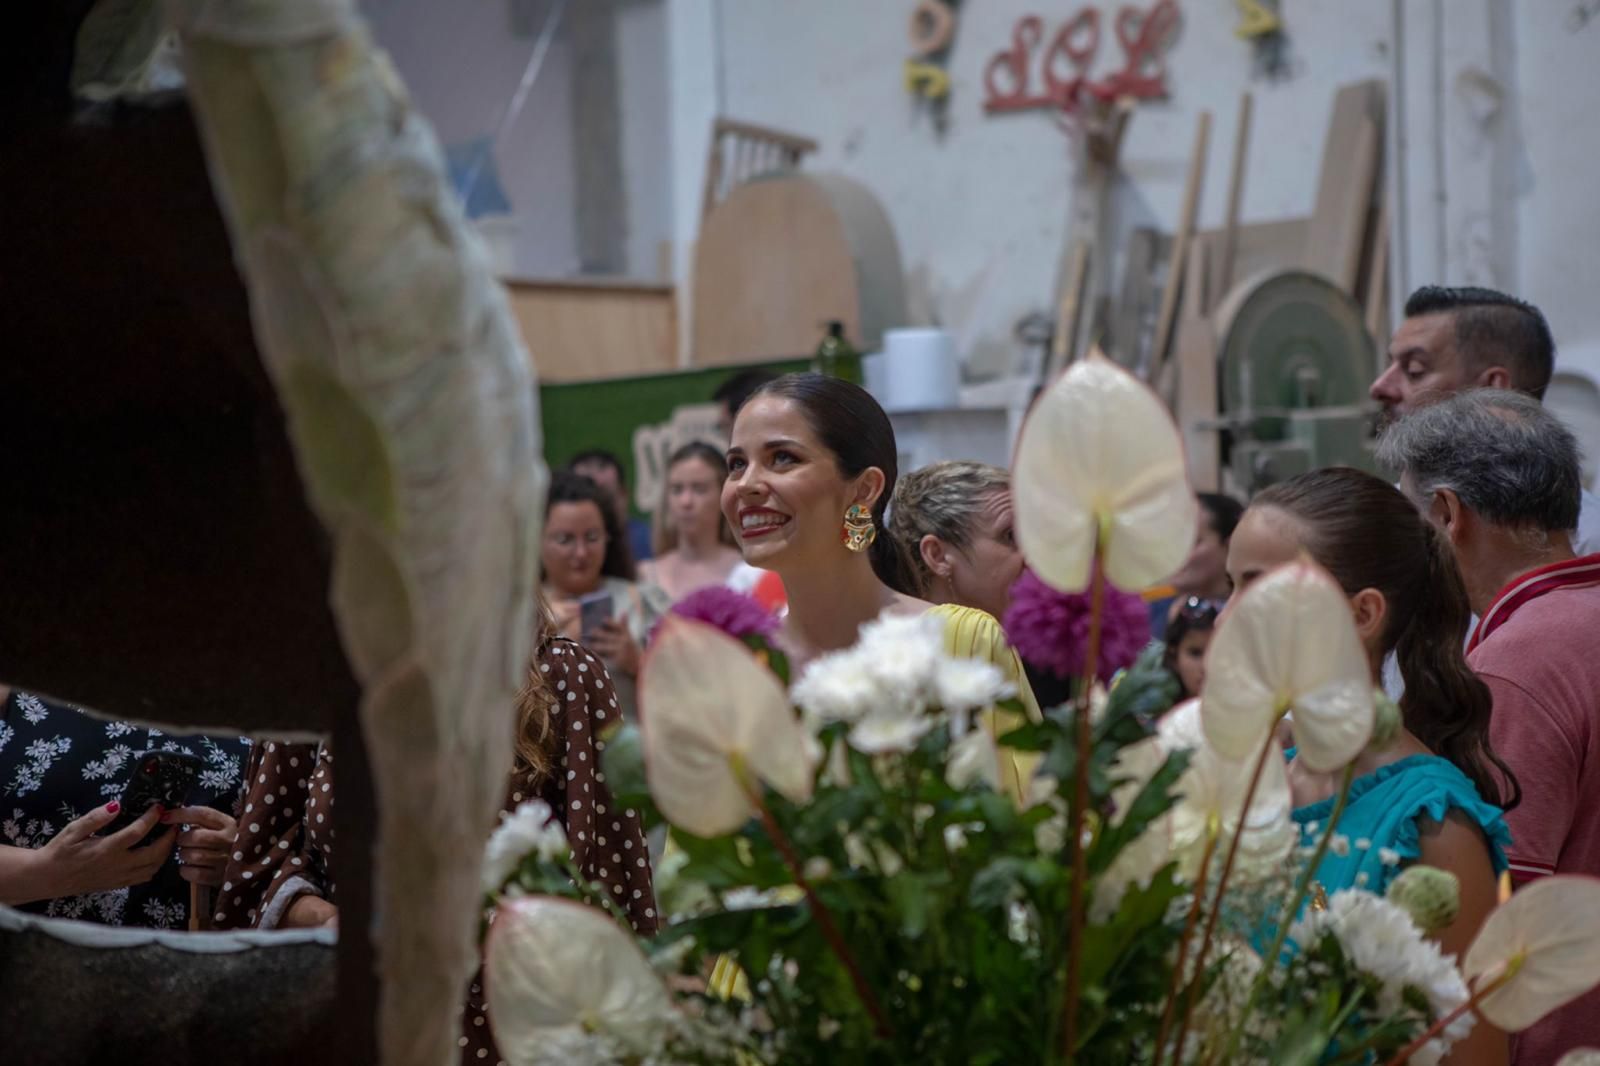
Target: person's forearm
(21,877)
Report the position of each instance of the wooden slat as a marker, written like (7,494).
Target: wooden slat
(1128,322)
(1241,148)
(1196,360)
(1069,313)
(1167,317)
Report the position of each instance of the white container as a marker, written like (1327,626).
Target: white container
(919,371)
(872,376)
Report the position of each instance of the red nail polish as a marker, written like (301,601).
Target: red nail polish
(113,807)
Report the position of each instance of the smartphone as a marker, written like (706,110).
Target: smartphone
(164,777)
(593,610)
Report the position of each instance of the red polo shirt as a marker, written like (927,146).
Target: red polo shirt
(1538,649)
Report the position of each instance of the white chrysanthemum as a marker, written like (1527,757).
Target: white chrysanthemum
(1381,939)
(838,687)
(891,727)
(746,898)
(530,830)
(969,684)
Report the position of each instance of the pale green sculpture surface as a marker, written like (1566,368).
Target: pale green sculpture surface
(411,409)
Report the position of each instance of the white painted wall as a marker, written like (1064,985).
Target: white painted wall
(462,62)
(1557,175)
(980,213)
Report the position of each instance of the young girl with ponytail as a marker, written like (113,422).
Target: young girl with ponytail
(1436,793)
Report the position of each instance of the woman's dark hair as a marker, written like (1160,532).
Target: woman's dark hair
(663,536)
(1224,512)
(567,487)
(1365,533)
(854,428)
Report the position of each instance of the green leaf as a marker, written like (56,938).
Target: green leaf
(623,761)
(913,896)
(1141,909)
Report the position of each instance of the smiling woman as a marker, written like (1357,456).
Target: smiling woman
(811,470)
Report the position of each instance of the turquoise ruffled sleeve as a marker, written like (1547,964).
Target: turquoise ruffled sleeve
(1380,831)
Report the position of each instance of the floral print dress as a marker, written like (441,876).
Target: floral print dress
(57,763)
(286,822)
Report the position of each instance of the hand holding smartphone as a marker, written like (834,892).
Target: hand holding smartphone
(594,610)
(155,777)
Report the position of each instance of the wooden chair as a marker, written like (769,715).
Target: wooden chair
(740,151)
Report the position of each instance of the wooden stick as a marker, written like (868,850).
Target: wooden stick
(1069,312)
(1230,228)
(1180,248)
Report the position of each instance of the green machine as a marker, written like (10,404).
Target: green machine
(1295,361)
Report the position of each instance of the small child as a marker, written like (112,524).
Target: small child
(1190,624)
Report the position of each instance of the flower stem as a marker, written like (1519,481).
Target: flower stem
(1267,748)
(1301,888)
(819,911)
(1077,904)
(1478,996)
(1175,988)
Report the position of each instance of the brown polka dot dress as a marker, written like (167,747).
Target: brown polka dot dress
(286,820)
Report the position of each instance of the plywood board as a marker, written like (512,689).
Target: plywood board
(780,257)
(1352,159)
(592,331)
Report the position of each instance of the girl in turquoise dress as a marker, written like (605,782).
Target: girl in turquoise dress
(1436,794)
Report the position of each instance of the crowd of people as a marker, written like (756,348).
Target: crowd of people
(1473,583)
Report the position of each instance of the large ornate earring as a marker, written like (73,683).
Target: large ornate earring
(859,529)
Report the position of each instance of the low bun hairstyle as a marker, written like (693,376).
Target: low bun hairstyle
(1365,533)
(851,425)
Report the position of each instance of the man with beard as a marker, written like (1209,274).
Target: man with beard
(1455,339)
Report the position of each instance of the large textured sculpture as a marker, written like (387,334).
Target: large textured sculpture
(409,404)
(168,429)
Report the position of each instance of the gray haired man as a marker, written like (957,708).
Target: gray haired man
(1499,475)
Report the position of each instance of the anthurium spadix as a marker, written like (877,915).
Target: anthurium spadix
(1544,944)
(1100,463)
(715,724)
(555,968)
(1288,643)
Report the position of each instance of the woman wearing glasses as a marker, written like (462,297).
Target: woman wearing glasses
(588,578)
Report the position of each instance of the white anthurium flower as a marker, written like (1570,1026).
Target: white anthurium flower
(711,718)
(1211,795)
(1547,937)
(1100,462)
(1289,643)
(1582,1056)
(555,969)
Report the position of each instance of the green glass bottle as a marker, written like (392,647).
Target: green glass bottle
(833,348)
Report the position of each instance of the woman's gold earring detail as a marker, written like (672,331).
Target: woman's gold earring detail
(859,530)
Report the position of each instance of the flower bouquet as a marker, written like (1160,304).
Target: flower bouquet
(849,882)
